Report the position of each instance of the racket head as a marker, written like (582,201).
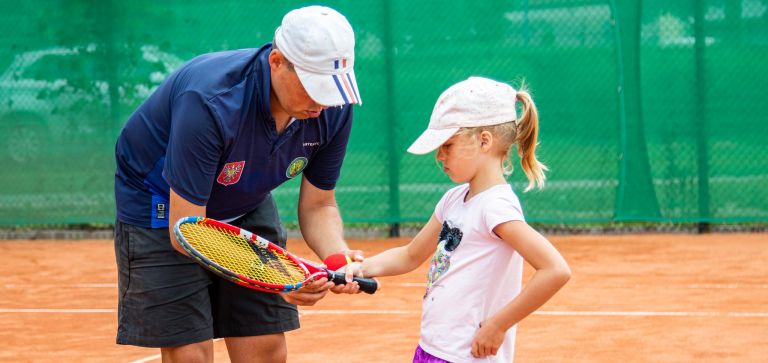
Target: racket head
(241,256)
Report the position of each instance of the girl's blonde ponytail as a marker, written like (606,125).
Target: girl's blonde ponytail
(527,139)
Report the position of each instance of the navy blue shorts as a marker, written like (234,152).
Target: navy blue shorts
(166,299)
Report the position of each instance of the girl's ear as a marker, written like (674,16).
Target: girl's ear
(486,140)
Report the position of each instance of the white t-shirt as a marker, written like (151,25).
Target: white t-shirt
(472,275)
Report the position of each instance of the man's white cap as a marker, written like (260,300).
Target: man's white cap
(321,45)
(473,102)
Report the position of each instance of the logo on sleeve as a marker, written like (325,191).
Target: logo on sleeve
(231,172)
(296,166)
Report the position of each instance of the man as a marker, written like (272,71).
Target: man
(213,140)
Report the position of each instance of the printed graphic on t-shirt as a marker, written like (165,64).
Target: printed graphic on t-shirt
(449,239)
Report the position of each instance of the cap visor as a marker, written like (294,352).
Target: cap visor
(430,140)
(331,89)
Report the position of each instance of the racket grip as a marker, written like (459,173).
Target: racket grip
(366,285)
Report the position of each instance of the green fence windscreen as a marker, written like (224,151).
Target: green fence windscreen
(650,110)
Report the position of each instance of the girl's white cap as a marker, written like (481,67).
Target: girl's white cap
(474,102)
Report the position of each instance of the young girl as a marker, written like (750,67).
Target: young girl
(477,234)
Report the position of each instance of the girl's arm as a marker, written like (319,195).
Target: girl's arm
(552,272)
(399,260)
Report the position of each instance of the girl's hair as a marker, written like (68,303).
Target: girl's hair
(525,133)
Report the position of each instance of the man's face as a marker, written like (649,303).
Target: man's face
(290,94)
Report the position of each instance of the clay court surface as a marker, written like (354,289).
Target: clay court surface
(632,298)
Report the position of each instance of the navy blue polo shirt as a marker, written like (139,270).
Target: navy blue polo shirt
(208,133)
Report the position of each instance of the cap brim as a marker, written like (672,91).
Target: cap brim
(331,89)
(430,140)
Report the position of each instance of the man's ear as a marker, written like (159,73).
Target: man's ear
(276,59)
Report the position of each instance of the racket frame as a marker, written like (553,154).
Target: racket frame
(310,270)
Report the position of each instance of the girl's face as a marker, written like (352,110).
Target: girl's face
(458,157)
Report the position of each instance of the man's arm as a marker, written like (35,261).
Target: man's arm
(320,223)
(320,220)
(180,207)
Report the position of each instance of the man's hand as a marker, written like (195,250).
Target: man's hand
(310,294)
(348,288)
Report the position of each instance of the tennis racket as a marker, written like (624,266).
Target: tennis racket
(249,260)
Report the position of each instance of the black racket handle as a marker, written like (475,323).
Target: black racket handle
(366,285)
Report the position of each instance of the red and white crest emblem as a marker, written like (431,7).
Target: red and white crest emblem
(231,172)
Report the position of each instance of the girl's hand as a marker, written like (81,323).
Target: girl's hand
(488,339)
(350,270)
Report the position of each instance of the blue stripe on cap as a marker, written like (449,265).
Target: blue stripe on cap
(336,64)
(352,85)
(341,89)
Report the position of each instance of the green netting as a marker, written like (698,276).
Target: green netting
(650,110)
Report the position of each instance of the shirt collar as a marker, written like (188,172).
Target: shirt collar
(263,82)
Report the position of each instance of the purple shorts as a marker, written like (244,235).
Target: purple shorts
(420,356)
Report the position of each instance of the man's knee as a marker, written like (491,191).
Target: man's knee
(264,348)
(194,353)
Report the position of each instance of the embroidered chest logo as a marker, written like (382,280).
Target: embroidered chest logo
(296,166)
(231,172)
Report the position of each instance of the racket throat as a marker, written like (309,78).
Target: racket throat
(268,260)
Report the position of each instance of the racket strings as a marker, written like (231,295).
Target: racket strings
(235,253)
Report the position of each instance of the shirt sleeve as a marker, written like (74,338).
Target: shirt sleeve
(194,149)
(504,209)
(324,169)
(440,207)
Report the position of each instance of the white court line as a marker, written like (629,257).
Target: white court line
(63,286)
(359,312)
(422,284)
(409,284)
(148,359)
(608,286)
(733,286)
(58,311)
(156,356)
(731,314)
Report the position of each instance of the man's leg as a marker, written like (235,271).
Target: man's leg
(193,353)
(253,322)
(263,348)
(163,296)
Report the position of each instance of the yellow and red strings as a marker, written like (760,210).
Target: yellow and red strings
(235,253)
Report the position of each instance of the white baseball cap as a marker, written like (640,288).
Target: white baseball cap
(320,43)
(474,102)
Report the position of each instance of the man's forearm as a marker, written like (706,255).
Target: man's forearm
(180,207)
(322,229)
